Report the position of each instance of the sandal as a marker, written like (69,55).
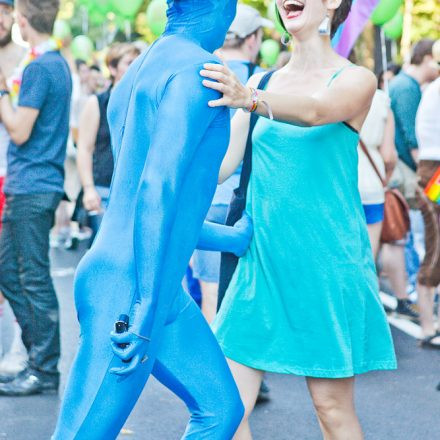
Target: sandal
(427,342)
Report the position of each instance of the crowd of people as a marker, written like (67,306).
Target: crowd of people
(57,162)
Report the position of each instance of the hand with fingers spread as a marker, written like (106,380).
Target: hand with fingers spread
(235,94)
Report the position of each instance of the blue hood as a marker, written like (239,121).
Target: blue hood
(204,21)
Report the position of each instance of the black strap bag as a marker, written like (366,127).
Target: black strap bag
(238,203)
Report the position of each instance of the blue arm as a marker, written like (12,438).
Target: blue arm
(234,239)
(178,182)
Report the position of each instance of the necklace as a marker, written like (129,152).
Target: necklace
(32,55)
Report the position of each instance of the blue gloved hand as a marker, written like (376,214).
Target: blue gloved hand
(234,239)
(131,346)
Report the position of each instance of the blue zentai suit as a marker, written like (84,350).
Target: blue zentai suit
(168,147)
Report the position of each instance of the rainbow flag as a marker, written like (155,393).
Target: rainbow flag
(432,190)
(349,32)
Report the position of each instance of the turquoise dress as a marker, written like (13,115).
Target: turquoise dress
(304,299)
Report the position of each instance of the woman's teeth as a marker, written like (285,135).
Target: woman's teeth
(293,8)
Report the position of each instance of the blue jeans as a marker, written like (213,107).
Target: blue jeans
(25,276)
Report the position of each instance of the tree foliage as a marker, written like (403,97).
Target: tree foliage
(426,20)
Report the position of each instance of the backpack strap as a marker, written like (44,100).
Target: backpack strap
(247,160)
(373,164)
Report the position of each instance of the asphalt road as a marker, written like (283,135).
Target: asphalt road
(401,405)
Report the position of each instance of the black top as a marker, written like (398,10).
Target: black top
(103,157)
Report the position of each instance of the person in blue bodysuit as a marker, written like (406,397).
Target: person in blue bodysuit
(168,146)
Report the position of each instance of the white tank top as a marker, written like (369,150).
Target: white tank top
(372,133)
(428,123)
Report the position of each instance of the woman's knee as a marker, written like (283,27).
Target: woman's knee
(331,399)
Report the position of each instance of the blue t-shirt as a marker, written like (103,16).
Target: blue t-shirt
(405,94)
(37,166)
(224,191)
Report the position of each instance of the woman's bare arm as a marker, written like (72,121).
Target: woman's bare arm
(88,131)
(348,99)
(388,148)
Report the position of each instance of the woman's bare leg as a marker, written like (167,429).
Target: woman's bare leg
(209,300)
(374,232)
(248,381)
(393,258)
(334,404)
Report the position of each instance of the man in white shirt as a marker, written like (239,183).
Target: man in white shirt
(428,137)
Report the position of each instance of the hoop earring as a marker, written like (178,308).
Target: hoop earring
(325,26)
(285,39)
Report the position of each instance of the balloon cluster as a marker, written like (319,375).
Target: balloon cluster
(388,14)
(98,9)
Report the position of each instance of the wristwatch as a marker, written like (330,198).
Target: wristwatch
(4,92)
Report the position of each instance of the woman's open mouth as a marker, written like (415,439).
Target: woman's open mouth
(293,8)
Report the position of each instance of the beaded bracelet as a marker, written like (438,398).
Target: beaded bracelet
(254,98)
(256,101)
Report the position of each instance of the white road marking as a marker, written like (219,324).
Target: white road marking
(61,272)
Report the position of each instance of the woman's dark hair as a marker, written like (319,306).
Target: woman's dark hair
(392,67)
(340,15)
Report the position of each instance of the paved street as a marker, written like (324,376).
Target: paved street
(402,405)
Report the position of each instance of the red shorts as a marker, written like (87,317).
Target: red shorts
(2,199)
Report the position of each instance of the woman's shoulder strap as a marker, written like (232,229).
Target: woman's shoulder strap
(338,72)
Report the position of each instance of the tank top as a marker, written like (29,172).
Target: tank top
(428,123)
(103,163)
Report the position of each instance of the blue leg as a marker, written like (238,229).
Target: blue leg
(101,412)
(189,359)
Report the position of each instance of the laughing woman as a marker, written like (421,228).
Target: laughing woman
(307,288)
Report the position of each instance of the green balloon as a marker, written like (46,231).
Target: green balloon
(385,11)
(127,8)
(96,18)
(271,14)
(102,6)
(157,16)
(393,29)
(270,49)
(82,47)
(61,30)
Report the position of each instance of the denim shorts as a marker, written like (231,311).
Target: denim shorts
(374,213)
(206,264)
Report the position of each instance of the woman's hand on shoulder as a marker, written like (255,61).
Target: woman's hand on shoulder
(222,79)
